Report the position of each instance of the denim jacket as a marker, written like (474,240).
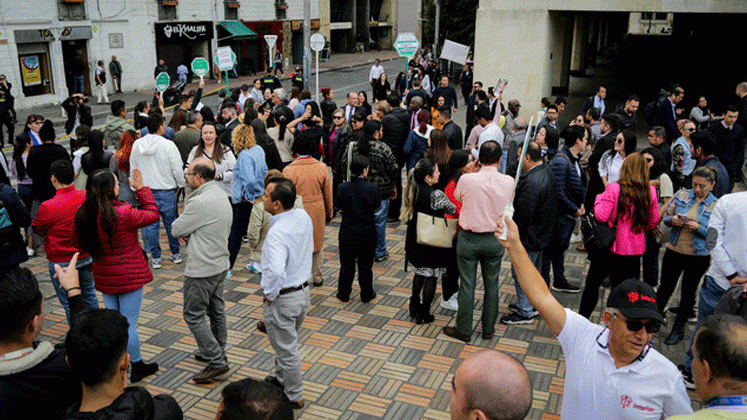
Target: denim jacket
(683,201)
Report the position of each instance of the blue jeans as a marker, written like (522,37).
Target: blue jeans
(78,83)
(128,304)
(710,294)
(504,159)
(555,254)
(523,307)
(380,221)
(166,200)
(85,276)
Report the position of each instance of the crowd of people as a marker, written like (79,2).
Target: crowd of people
(273,169)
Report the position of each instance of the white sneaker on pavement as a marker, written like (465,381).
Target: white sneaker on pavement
(450,304)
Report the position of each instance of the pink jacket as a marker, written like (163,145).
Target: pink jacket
(626,241)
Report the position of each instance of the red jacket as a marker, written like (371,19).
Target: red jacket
(55,220)
(122,267)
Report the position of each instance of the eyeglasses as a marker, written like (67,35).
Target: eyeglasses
(635,325)
(649,160)
(337,117)
(690,129)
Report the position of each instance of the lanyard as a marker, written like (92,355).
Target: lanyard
(731,400)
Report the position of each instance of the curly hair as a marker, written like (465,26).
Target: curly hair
(635,194)
(243,138)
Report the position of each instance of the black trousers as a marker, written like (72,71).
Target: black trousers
(427,287)
(363,253)
(6,122)
(450,279)
(692,268)
(240,224)
(604,263)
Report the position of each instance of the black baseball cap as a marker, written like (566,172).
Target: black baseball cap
(244,87)
(636,300)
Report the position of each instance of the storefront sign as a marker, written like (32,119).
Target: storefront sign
(30,70)
(27,36)
(183,31)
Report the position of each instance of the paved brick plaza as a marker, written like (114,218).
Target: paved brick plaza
(360,361)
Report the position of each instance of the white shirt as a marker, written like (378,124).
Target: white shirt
(609,165)
(286,253)
(594,388)
(729,256)
(375,72)
(491,132)
(243,97)
(159,161)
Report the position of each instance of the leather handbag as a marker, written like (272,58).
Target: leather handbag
(597,235)
(435,231)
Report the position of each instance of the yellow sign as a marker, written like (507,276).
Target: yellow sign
(30,70)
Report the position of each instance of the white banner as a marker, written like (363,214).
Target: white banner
(455,52)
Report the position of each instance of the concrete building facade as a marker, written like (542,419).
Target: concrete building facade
(39,41)
(538,44)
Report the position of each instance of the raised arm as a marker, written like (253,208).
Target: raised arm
(531,280)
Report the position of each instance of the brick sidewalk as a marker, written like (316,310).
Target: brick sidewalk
(360,361)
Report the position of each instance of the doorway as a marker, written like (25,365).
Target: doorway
(70,51)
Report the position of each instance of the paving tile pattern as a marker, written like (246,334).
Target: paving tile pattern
(360,361)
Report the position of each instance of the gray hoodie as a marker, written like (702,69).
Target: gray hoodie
(113,129)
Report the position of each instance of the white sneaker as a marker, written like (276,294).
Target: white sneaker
(450,304)
(576,238)
(156,263)
(253,267)
(176,258)
(30,251)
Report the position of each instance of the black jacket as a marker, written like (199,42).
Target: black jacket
(665,117)
(536,204)
(38,163)
(569,185)
(596,186)
(454,133)
(134,404)
(40,389)
(72,110)
(358,200)
(12,246)
(396,125)
(225,137)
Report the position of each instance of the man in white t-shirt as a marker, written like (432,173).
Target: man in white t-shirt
(612,371)
(376,70)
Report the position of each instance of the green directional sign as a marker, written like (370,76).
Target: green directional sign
(162,81)
(407,44)
(200,66)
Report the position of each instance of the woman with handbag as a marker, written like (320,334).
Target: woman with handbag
(423,201)
(630,205)
(687,214)
(659,178)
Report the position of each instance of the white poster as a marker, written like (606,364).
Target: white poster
(455,52)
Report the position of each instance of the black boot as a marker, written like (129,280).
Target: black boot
(429,292)
(417,286)
(678,332)
(141,369)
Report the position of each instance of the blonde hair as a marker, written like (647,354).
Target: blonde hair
(408,201)
(243,138)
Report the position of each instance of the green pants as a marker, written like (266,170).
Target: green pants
(473,248)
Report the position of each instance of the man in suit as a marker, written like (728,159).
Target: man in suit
(666,116)
(229,114)
(472,103)
(352,105)
(599,100)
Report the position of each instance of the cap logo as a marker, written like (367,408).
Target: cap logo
(633,297)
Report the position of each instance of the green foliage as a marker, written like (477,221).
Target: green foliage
(457,21)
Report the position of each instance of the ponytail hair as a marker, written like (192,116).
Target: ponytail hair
(423,118)
(415,182)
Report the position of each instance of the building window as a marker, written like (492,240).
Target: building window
(281,8)
(167,9)
(71,10)
(231,10)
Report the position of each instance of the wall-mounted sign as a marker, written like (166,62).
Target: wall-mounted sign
(30,70)
(184,31)
(116,40)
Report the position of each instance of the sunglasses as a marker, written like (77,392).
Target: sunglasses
(337,117)
(619,141)
(635,325)
(690,129)
(649,160)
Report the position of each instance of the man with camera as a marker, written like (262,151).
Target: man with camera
(78,112)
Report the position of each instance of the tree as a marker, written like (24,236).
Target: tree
(457,21)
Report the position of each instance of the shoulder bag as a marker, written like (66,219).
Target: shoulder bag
(435,231)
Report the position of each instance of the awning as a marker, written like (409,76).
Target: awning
(237,30)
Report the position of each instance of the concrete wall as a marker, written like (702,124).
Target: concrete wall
(407,17)
(518,39)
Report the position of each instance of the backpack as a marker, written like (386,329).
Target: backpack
(8,229)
